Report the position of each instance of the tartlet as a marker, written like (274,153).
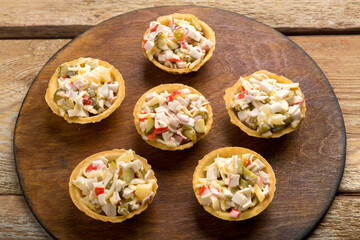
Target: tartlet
(239,186)
(172,116)
(265,105)
(85,90)
(113,186)
(178,43)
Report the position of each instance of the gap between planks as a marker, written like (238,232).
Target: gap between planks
(72,31)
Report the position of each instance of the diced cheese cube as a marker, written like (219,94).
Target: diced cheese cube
(212,173)
(234,180)
(181,64)
(297,115)
(194,35)
(102,199)
(136,165)
(259,163)
(215,202)
(239,198)
(127,192)
(283,93)
(114,87)
(206,199)
(265,177)
(119,185)
(265,86)
(195,54)
(228,193)
(243,115)
(276,107)
(109,210)
(174,105)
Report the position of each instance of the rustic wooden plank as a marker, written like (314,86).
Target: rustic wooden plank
(17,222)
(52,19)
(341,221)
(19,64)
(339,58)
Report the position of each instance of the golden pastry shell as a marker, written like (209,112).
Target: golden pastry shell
(208,33)
(76,195)
(170,88)
(53,87)
(229,152)
(229,96)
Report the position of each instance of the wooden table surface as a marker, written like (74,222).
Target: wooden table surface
(32,31)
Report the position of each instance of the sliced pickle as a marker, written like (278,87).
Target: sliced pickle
(57,97)
(67,104)
(204,115)
(249,175)
(190,134)
(160,41)
(277,128)
(179,34)
(244,183)
(196,23)
(200,126)
(155,106)
(63,70)
(263,128)
(189,58)
(127,175)
(123,210)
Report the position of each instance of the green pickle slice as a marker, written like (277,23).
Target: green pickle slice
(160,41)
(196,23)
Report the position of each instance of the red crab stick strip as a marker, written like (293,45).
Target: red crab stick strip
(170,98)
(161,130)
(234,213)
(154,28)
(99,190)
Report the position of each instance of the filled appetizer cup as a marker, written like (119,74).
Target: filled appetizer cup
(113,186)
(172,116)
(234,183)
(265,105)
(85,90)
(178,43)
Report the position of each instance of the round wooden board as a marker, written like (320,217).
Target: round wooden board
(308,163)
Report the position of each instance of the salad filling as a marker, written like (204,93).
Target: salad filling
(116,187)
(234,184)
(85,88)
(174,118)
(180,44)
(268,106)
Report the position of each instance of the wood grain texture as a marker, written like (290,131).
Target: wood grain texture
(49,19)
(264,48)
(339,58)
(17,222)
(19,64)
(341,221)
